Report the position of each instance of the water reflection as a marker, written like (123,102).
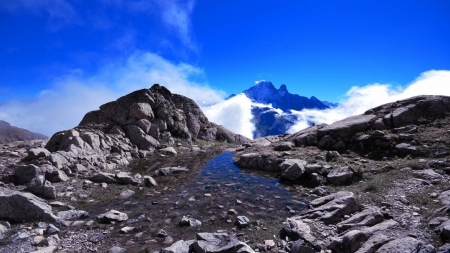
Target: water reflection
(222,185)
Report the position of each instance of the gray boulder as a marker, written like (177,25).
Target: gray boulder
(295,169)
(255,161)
(72,214)
(140,138)
(190,222)
(284,146)
(125,178)
(112,215)
(178,247)
(149,181)
(340,176)
(242,221)
(367,217)
(35,153)
(406,244)
(42,187)
(169,170)
(330,209)
(32,208)
(215,242)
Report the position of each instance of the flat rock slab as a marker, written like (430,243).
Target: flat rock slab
(332,208)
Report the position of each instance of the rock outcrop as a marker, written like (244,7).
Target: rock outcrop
(133,126)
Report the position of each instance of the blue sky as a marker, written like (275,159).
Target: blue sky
(320,48)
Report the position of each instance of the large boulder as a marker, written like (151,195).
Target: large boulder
(31,207)
(340,176)
(255,161)
(293,169)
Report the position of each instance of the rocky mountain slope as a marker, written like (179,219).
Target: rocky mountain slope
(377,182)
(387,172)
(10,133)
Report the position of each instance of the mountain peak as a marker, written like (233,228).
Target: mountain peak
(266,93)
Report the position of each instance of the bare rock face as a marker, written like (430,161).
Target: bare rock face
(106,139)
(333,207)
(31,207)
(402,117)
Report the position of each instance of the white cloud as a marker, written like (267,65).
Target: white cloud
(234,114)
(63,106)
(360,99)
(177,15)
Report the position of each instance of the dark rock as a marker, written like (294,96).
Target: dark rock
(331,155)
(242,221)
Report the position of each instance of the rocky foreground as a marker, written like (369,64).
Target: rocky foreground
(376,182)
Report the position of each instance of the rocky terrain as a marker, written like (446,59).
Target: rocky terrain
(10,133)
(129,178)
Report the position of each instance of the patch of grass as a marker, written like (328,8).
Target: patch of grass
(370,188)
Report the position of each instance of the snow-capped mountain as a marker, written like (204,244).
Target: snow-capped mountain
(272,107)
(265,93)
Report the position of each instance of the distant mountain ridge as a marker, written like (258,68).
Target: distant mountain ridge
(10,133)
(268,120)
(266,93)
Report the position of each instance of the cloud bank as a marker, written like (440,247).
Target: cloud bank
(234,114)
(359,99)
(72,96)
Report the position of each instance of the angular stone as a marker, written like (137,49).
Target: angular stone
(190,222)
(284,146)
(215,243)
(72,214)
(35,153)
(340,176)
(112,215)
(242,221)
(168,151)
(169,170)
(295,170)
(149,181)
(178,247)
(126,178)
(102,177)
(141,139)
